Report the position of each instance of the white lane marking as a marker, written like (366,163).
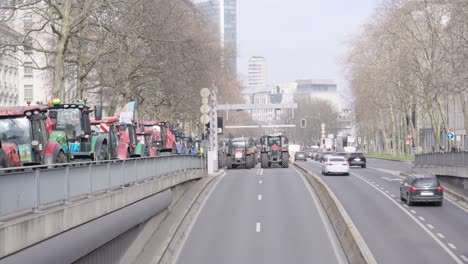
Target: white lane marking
(464,258)
(260,182)
(387,191)
(388,179)
(258,227)
(377,185)
(452,246)
(261,172)
(405,205)
(421,218)
(382,188)
(430,226)
(393,195)
(413,211)
(258,172)
(440,235)
(442,245)
(259,197)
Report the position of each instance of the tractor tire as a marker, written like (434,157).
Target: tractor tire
(229,162)
(249,161)
(4,162)
(104,153)
(284,160)
(264,160)
(61,158)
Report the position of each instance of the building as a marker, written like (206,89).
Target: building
(32,84)
(224,15)
(256,75)
(9,70)
(320,89)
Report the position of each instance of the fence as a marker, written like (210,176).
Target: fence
(442,159)
(30,188)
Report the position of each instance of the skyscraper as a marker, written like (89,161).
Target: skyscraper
(224,14)
(256,75)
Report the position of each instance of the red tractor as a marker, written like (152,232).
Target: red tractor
(162,136)
(108,128)
(24,138)
(146,138)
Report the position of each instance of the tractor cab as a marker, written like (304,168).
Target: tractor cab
(145,137)
(24,134)
(163,138)
(274,151)
(107,128)
(72,128)
(240,154)
(128,135)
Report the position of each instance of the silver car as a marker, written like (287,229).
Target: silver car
(335,165)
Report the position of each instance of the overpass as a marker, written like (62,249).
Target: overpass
(60,214)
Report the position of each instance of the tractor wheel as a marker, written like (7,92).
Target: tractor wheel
(4,162)
(249,161)
(229,162)
(61,158)
(284,160)
(264,160)
(104,153)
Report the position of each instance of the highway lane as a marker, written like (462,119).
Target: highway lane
(394,232)
(260,216)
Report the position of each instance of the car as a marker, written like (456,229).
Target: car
(300,155)
(421,187)
(357,159)
(325,155)
(335,165)
(342,154)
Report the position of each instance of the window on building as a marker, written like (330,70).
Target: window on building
(28,92)
(28,70)
(27,47)
(27,20)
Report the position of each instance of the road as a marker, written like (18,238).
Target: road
(261,216)
(394,232)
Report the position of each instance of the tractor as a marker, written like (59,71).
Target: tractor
(146,138)
(24,137)
(108,128)
(240,154)
(128,135)
(274,151)
(72,129)
(163,139)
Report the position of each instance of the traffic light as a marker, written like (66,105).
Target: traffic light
(303,123)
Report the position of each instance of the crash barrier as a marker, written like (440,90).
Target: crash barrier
(32,188)
(442,159)
(353,244)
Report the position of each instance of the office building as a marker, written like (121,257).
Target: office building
(256,75)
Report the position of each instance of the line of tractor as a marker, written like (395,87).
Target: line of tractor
(63,132)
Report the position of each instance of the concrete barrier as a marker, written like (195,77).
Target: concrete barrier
(351,241)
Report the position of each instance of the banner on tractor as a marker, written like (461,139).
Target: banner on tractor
(126,115)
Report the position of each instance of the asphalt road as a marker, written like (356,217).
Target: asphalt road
(394,232)
(260,216)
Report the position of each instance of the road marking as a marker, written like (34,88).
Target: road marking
(257,227)
(430,226)
(452,246)
(377,185)
(261,171)
(387,191)
(393,195)
(405,205)
(260,182)
(258,172)
(440,235)
(388,179)
(382,188)
(413,211)
(442,245)
(464,258)
(421,218)
(259,197)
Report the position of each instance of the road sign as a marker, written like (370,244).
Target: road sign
(205,119)
(450,136)
(205,92)
(204,109)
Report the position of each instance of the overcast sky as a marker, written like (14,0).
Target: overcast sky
(300,39)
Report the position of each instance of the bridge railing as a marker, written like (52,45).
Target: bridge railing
(30,188)
(442,159)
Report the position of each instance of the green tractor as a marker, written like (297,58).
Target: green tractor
(71,127)
(240,154)
(274,151)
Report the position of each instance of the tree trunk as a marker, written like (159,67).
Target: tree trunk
(113,104)
(62,43)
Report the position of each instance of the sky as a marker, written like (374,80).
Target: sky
(300,39)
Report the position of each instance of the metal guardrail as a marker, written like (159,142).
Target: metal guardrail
(442,159)
(30,188)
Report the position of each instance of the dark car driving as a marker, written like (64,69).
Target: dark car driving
(300,155)
(357,159)
(421,187)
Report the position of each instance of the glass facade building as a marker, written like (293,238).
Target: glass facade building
(224,14)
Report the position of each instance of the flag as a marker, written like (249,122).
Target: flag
(126,115)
